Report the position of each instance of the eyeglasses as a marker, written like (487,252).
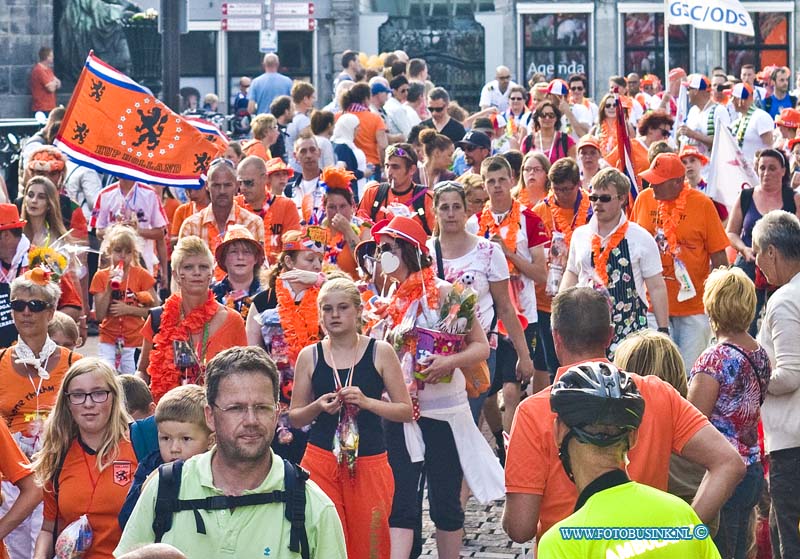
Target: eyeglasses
(535,170)
(516,98)
(565,189)
(35,305)
(547,115)
(436,109)
(97,396)
(576,88)
(604,198)
(240,411)
(246,182)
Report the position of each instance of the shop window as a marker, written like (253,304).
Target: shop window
(199,54)
(295,49)
(555,45)
(770,45)
(644,44)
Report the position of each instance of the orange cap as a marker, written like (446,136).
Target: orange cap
(692,151)
(588,140)
(666,166)
(790,118)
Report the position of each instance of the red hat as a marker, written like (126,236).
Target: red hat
(9,217)
(233,234)
(276,165)
(793,142)
(665,166)
(790,118)
(558,87)
(402,228)
(692,151)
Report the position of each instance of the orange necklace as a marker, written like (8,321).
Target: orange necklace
(600,256)
(488,227)
(564,223)
(608,137)
(300,323)
(524,198)
(669,217)
(411,290)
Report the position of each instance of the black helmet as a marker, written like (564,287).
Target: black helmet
(596,393)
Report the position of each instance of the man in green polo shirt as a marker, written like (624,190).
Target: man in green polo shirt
(599,411)
(242,391)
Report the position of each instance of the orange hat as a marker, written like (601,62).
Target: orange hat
(588,140)
(234,234)
(9,217)
(402,228)
(666,166)
(47,159)
(793,142)
(276,165)
(647,79)
(692,151)
(311,238)
(790,118)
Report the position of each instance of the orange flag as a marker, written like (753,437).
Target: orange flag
(116,126)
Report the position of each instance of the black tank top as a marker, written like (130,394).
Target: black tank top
(367,378)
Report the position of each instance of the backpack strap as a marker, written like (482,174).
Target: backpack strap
(169,486)
(437,248)
(380,199)
(294,481)
(418,201)
(788,200)
(564,144)
(745,200)
(70,357)
(56,485)
(155,319)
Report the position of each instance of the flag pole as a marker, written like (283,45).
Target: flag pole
(666,43)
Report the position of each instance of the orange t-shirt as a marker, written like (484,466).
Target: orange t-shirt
(532,462)
(170,206)
(700,234)
(136,285)
(365,205)
(282,217)
(181,213)
(18,400)
(99,495)
(255,147)
(369,124)
(543,300)
(41,99)
(69,295)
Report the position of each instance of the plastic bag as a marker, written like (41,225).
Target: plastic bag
(75,540)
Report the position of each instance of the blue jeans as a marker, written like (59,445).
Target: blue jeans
(734,518)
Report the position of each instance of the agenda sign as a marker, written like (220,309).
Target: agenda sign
(719,15)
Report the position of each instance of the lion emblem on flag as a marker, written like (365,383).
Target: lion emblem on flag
(151,127)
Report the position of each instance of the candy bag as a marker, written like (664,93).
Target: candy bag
(75,540)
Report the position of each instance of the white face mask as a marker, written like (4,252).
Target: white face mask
(389,262)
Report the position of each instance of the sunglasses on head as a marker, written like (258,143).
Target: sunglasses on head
(222,160)
(605,198)
(435,109)
(35,305)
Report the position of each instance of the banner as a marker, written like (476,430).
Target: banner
(116,126)
(728,172)
(719,15)
(624,148)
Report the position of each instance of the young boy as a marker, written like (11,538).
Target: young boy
(182,433)
(138,400)
(64,331)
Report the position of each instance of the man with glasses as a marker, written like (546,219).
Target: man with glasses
(438,99)
(619,257)
(496,92)
(476,146)
(705,116)
(578,84)
(242,386)
(211,223)
(278,212)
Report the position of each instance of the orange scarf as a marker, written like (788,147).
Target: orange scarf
(300,323)
(600,256)
(411,290)
(562,222)
(488,227)
(669,217)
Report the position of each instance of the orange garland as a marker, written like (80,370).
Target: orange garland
(600,256)
(608,137)
(411,290)
(564,224)
(300,323)
(669,221)
(488,227)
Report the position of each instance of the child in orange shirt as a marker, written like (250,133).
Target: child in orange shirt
(123,294)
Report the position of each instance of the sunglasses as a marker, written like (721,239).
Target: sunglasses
(386,247)
(576,88)
(604,198)
(246,182)
(547,115)
(516,99)
(35,305)
(435,109)
(611,105)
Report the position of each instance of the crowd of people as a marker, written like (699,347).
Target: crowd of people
(294,356)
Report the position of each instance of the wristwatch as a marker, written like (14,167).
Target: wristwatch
(664,330)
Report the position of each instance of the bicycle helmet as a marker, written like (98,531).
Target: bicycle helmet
(595,393)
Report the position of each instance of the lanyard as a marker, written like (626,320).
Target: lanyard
(92,479)
(337,381)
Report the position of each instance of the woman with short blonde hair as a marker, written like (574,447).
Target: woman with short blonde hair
(648,352)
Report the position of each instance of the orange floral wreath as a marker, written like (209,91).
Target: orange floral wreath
(564,224)
(164,375)
(488,227)
(669,216)
(411,290)
(300,323)
(600,255)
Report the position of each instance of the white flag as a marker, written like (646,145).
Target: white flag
(729,171)
(720,15)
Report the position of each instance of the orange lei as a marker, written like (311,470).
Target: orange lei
(669,220)
(600,256)
(564,224)
(300,323)
(411,290)
(524,198)
(164,375)
(488,227)
(608,137)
